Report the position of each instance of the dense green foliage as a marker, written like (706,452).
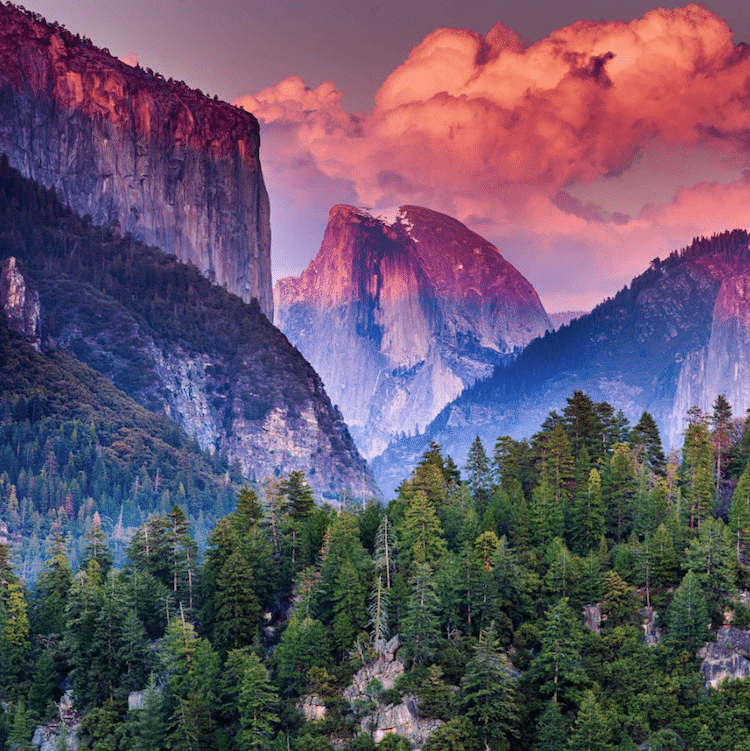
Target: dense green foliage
(483,581)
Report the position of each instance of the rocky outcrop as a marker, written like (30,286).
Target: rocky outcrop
(403,718)
(62,733)
(728,658)
(20,303)
(401,310)
(161,161)
(247,393)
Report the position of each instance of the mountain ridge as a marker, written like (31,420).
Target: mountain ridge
(643,349)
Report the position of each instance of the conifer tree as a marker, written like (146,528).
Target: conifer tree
(488,692)
(739,515)
(558,668)
(697,469)
(478,474)
(51,591)
(588,515)
(646,443)
(618,488)
(151,728)
(592,729)
(547,519)
(420,628)
(421,534)
(256,706)
(687,616)
(721,436)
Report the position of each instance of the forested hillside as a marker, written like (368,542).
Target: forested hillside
(484,580)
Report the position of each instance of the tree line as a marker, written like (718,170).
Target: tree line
(483,573)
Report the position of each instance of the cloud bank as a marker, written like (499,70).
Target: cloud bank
(524,143)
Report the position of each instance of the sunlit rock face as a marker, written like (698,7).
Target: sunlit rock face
(165,163)
(723,365)
(19,303)
(401,310)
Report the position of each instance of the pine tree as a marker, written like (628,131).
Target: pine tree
(687,616)
(378,612)
(646,443)
(478,474)
(618,488)
(256,705)
(711,558)
(588,515)
(151,728)
(552,728)
(421,629)
(386,548)
(721,436)
(697,469)
(739,515)
(558,668)
(592,730)
(547,519)
(51,591)
(488,692)
(421,534)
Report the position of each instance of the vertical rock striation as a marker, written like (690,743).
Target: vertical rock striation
(165,163)
(723,366)
(401,310)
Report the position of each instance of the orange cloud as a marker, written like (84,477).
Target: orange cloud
(497,134)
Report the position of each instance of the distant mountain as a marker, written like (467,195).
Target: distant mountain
(160,160)
(400,310)
(165,336)
(678,336)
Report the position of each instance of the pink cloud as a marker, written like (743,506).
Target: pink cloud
(496,134)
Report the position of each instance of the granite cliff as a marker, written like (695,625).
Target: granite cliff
(399,311)
(165,336)
(161,161)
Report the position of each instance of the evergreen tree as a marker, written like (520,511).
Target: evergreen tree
(697,468)
(618,488)
(257,701)
(582,424)
(478,474)
(386,548)
(558,668)
(687,616)
(588,515)
(711,558)
(739,515)
(421,534)
(721,436)
(592,729)
(51,591)
(421,629)
(547,519)
(646,443)
(304,644)
(552,729)
(151,727)
(488,693)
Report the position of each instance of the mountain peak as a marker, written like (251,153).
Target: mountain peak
(400,310)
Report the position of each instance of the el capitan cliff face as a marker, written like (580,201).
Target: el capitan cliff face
(399,311)
(170,166)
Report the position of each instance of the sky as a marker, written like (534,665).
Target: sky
(583,139)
